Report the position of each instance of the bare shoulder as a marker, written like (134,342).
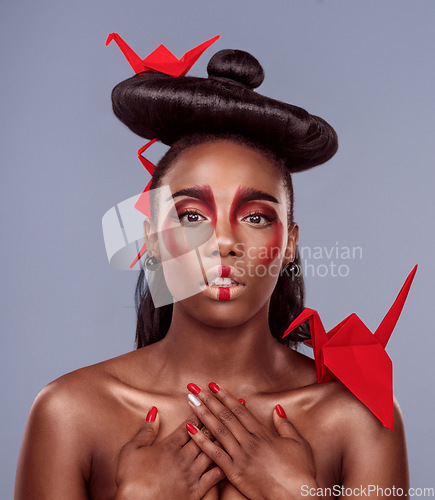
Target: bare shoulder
(71,396)
(368,451)
(341,409)
(335,406)
(64,426)
(56,452)
(64,405)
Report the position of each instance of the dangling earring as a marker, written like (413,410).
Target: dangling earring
(152,263)
(291,267)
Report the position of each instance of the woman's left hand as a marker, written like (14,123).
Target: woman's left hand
(260,463)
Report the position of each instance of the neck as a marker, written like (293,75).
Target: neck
(246,355)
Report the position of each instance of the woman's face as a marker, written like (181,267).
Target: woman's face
(228,201)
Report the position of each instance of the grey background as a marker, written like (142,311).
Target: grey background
(367,67)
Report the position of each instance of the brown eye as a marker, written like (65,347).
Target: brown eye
(256,219)
(259,219)
(190,217)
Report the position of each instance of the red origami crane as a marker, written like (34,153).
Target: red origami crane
(163,60)
(355,356)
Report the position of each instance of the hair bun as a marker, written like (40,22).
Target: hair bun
(236,65)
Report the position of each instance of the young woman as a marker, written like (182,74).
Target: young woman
(214,403)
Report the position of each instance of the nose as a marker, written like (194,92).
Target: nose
(226,239)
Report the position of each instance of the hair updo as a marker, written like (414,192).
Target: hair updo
(154,104)
(186,111)
(236,67)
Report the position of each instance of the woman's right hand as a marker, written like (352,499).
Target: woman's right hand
(174,468)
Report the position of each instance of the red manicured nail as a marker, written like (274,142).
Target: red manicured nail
(193,388)
(152,414)
(242,401)
(213,387)
(280,411)
(191,429)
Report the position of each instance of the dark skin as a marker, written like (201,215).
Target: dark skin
(87,437)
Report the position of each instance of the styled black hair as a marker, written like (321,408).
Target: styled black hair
(187,111)
(153,104)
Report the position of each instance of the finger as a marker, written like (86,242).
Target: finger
(190,450)
(226,415)
(149,430)
(211,449)
(219,420)
(238,408)
(284,427)
(201,463)
(179,437)
(210,479)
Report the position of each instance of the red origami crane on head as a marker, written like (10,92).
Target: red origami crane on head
(163,60)
(355,356)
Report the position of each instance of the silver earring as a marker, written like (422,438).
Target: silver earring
(152,263)
(290,268)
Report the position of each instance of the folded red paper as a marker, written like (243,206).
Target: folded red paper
(352,354)
(163,60)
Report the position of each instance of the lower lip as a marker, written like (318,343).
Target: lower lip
(223,292)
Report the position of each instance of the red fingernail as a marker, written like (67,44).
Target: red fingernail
(193,388)
(242,401)
(191,429)
(280,411)
(213,387)
(152,414)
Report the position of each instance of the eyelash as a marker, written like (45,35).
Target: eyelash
(268,218)
(189,212)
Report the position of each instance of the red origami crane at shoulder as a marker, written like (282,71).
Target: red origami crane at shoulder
(356,357)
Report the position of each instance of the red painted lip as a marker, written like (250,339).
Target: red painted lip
(223,272)
(221,293)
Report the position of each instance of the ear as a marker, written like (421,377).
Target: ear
(151,240)
(292,241)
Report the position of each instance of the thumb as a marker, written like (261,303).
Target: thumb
(284,427)
(149,430)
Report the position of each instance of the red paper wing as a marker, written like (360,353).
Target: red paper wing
(338,327)
(366,370)
(357,358)
(192,55)
(387,325)
(163,60)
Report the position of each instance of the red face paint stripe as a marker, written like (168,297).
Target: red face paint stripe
(224,271)
(224,293)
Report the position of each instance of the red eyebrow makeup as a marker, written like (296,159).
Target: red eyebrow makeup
(244,195)
(203,193)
